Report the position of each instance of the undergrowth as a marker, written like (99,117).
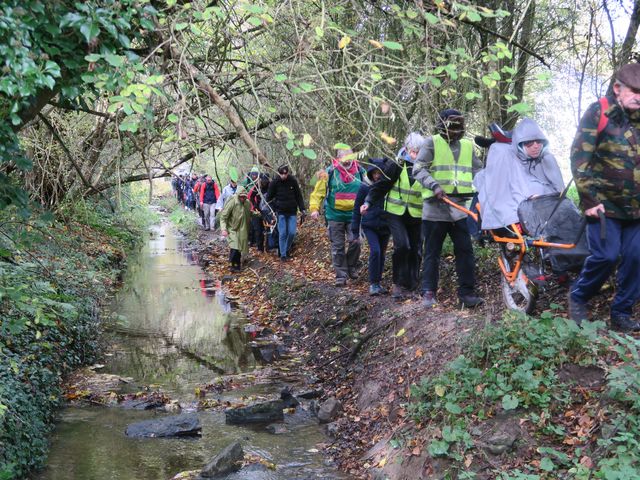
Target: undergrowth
(184,220)
(54,275)
(513,366)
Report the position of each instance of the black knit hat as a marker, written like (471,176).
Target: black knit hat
(450,123)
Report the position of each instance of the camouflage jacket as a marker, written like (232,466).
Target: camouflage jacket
(606,169)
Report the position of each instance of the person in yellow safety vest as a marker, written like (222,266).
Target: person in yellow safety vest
(403,214)
(445,167)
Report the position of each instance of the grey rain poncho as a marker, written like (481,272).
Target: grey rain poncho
(511,177)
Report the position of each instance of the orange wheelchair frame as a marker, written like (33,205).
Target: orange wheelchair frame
(519,291)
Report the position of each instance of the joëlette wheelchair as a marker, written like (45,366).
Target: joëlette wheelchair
(546,245)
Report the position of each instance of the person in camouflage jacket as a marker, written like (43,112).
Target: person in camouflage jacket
(606,168)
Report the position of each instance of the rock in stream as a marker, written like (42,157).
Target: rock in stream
(185,425)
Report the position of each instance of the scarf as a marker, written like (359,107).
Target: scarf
(347,175)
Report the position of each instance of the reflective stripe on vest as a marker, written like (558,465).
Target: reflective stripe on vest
(403,196)
(453,177)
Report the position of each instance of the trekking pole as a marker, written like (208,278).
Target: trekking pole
(603,225)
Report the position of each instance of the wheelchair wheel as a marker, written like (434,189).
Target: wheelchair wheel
(522,295)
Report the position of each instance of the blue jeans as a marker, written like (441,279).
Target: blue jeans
(378,240)
(622,242)
(286,231)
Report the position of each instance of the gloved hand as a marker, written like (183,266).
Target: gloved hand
(439,193)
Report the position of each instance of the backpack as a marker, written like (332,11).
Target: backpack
(604,120)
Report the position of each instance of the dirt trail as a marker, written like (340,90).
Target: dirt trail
(365,351)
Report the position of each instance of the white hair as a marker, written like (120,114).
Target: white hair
(414,141)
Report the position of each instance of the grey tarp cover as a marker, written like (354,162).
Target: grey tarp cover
(563,226)
(509,177)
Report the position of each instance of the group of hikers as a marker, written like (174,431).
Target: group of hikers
(412,199)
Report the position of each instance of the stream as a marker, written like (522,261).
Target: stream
(176,330)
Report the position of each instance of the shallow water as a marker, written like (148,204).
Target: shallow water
(174,330)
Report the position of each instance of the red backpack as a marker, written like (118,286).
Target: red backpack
(602,123)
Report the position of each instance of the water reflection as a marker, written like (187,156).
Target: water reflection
(165,292)
(175,330)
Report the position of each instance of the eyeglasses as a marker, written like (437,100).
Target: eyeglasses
(531,142)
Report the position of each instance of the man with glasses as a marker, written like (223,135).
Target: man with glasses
(605,161)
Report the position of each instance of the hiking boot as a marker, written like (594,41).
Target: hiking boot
(397,291)
(341,282)
(578,311)
(375,289)
(534,274)
(428,299)
(353,274)
(471,301)
(624,323)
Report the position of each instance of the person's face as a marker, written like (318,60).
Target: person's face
(284,175)
(242,198)
(533,148)
(376,175)
(233,184)
(209,179)
(413,153)
(628,98)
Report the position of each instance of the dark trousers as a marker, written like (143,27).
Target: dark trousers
(235,257)
(622,243)
(378,240)
(405,231)
(435,233)
(257,229)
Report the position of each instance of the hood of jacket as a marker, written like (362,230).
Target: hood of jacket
(525,131)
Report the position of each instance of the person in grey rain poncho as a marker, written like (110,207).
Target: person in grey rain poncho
(514,172)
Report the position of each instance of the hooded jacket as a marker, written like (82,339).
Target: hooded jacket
(374,219)
(511,177)
(235,219)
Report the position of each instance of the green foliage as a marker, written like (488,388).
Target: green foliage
(50,295)
(514,365)
(183,219)
(44,49)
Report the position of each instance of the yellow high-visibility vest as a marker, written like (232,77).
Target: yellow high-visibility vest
(452,176)
(403,196)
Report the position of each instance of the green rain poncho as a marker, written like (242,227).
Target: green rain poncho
(235,218)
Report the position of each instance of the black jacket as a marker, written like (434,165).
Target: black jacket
(374,218)
(285,195)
